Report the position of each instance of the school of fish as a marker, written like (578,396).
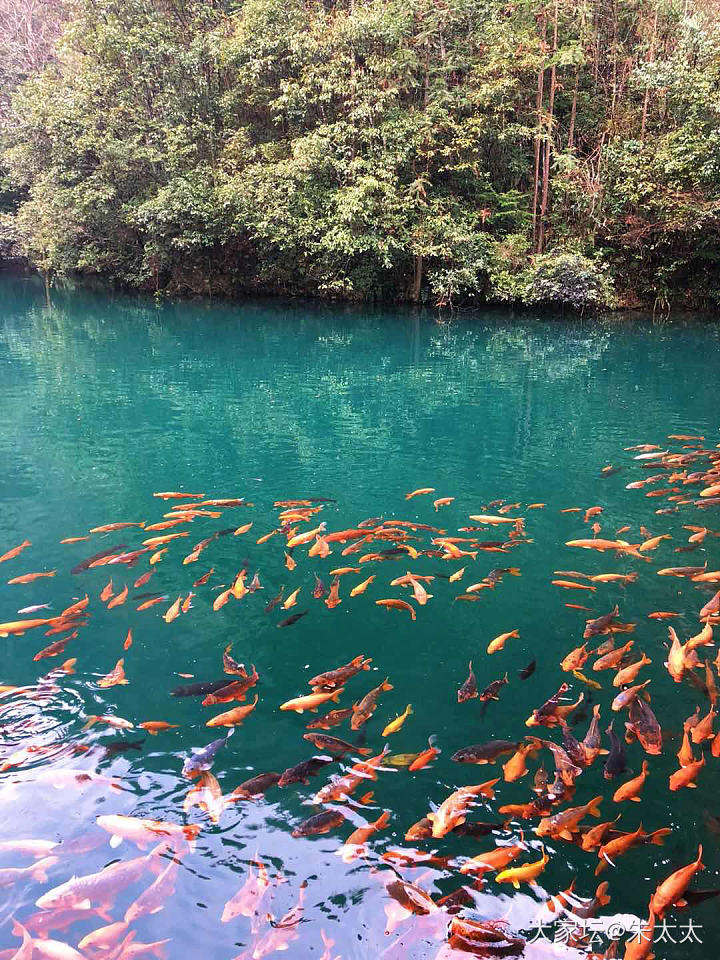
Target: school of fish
(531,782)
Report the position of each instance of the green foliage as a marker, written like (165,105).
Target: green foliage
(568,279)
(373,149)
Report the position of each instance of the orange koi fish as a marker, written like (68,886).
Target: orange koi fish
(234,717)
(393,604)
(362,587)
(115,677)
(421,491)
(16,551)
(119,599)
(499,642)
(172,611)
(31,577)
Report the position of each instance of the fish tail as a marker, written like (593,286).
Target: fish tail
(658,836)
(157,948)
(383,820)
(593,806)
(601,894)
(409,709)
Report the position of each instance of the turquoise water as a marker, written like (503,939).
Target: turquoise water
(105,400)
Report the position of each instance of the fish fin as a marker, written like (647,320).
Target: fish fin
(565,834)
(516,884)
(680,903)
(692,786)
(430,816)
(635,799)
(115,841)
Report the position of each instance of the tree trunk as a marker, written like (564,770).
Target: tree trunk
(548,136)
(573,112)
(417,279)
(651,59)
(538,135)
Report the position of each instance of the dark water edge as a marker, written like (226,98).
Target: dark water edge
(20,268)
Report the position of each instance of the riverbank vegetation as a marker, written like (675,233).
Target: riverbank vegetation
(437,150)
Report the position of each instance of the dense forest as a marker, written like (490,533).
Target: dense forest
(443,151)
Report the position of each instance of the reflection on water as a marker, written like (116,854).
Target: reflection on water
(107,399)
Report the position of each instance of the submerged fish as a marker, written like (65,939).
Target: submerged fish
(319,823)
(301,772)
(101,888)
(468,691)
(199,689)
(334,744)
(484,752)
(616,762)
(15,551)
(492,690)
(527,671)
(202,758)
(397,723)
(289,621)
(364,709)
(332,679)
(86,564)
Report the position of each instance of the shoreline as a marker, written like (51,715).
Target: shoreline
(20,267)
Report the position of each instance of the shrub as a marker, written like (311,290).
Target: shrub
(569,279)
